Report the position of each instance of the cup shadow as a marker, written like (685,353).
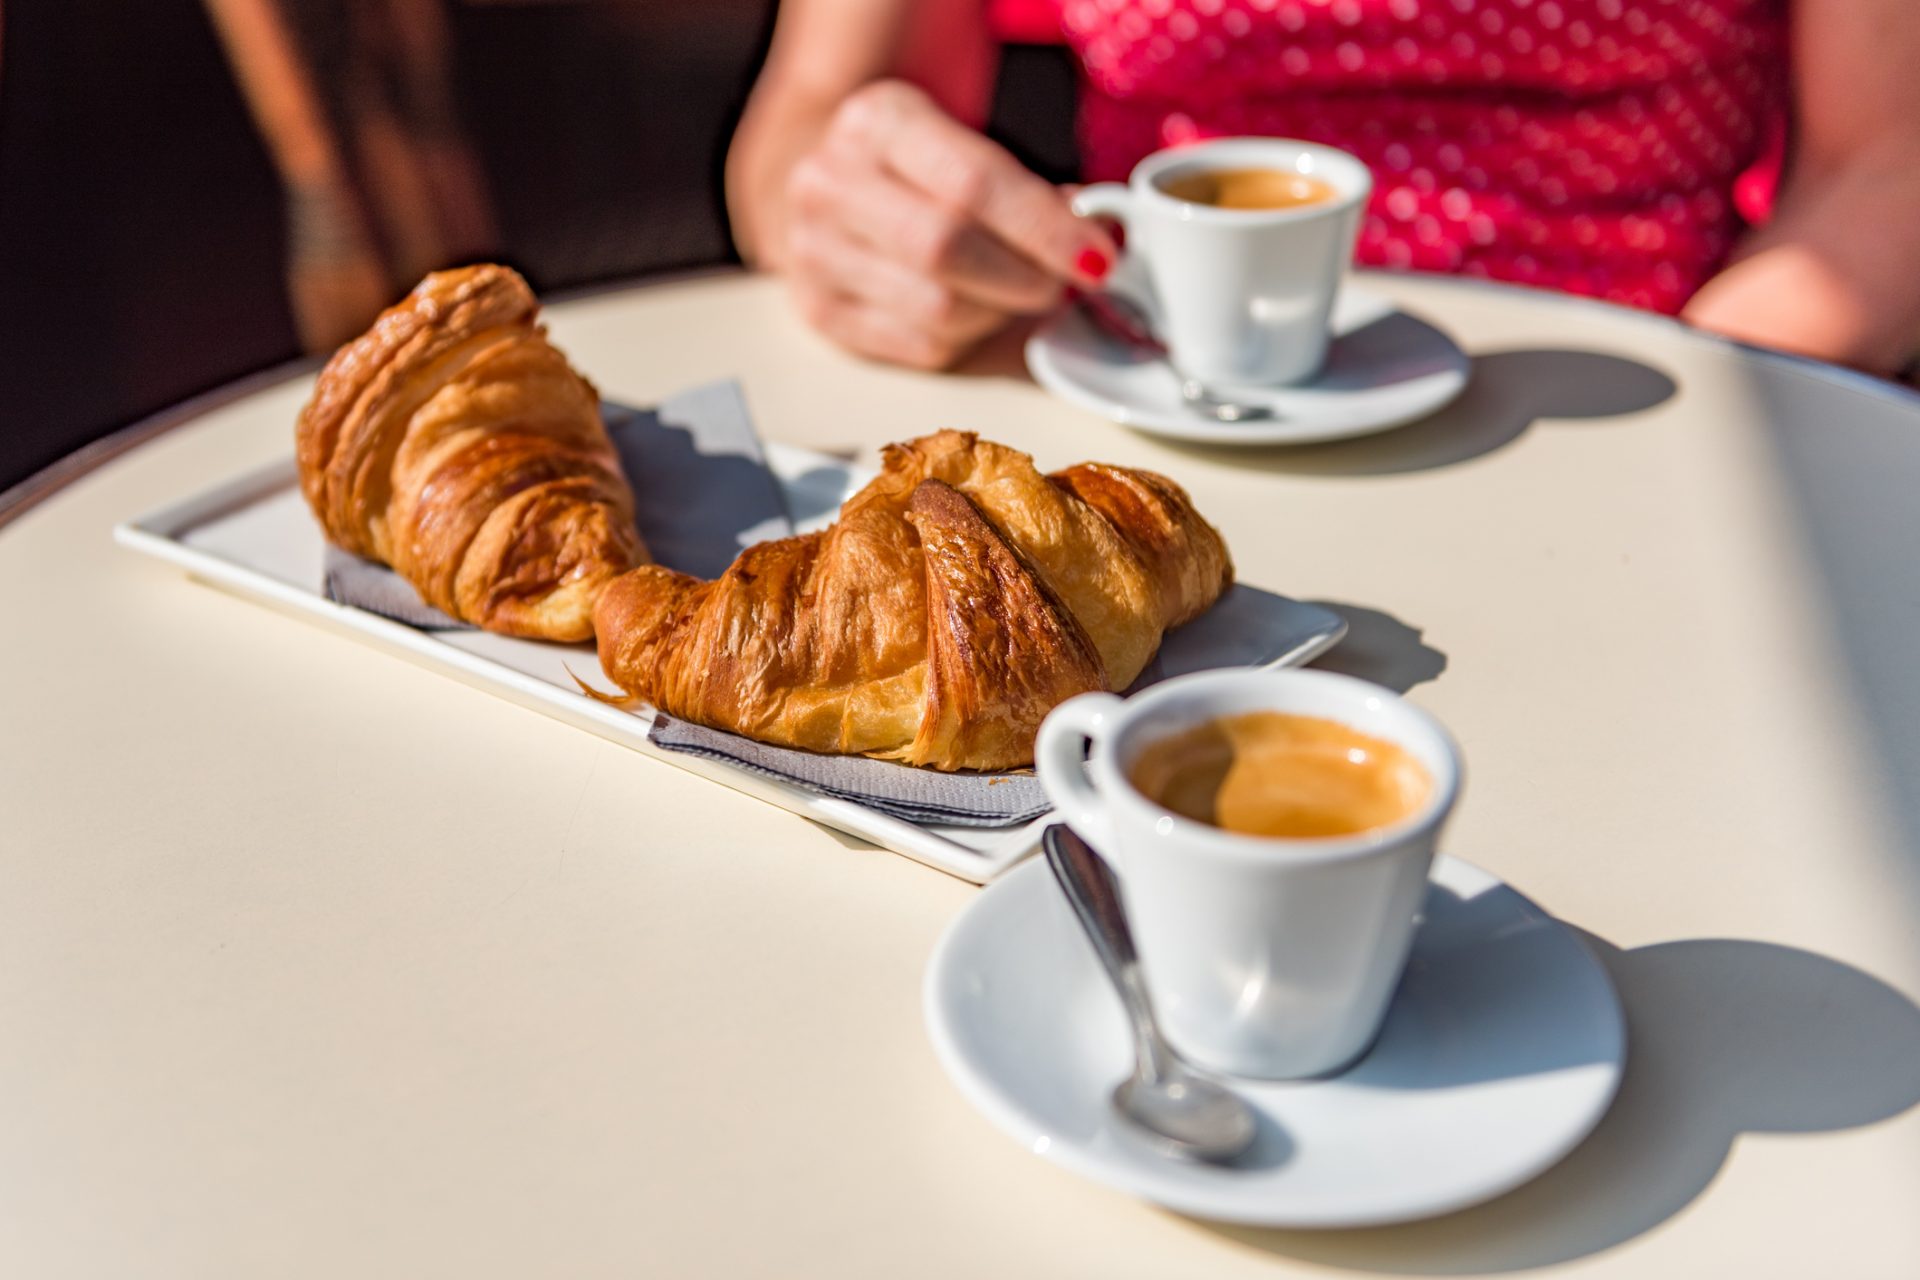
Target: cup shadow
(1272,1146)
(1507,392)
(1495,993)
(1726,1037)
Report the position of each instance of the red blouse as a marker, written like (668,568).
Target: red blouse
(1587,145)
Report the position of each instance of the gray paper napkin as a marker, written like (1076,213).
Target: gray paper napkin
(701,489)
(367,585)
(898,790)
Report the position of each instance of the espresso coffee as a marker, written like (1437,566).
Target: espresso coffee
(1267,773)
(1247,188)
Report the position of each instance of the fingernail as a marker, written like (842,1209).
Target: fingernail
(1093,264)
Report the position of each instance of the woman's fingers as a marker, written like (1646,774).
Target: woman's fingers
(962,172)
(906,226)
(909,237)
(838,264)
(869,330)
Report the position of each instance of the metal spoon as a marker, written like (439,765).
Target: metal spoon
(1166,1099)
(1121,319)
(1195,393)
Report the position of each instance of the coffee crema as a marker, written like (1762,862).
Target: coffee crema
(1247,188)
(1268,773)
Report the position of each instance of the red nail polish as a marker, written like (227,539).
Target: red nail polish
(1093,264)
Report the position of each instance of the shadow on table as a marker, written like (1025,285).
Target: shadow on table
(1506,393)
(1381,648)
(1724,1037)
(1845,458)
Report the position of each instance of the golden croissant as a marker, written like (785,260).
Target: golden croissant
(958,598)
(453,442)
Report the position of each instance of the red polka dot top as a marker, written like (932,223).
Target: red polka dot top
(1586,145)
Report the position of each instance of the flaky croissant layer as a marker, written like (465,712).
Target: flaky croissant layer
(453,442)
(959,597)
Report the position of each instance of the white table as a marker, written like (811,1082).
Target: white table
(314,963)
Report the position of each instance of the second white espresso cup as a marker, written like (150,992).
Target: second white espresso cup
(1264,956)
(1241,295)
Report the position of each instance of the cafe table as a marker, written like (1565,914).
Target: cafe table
(314,962)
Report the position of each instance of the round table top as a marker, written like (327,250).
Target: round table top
(314,963)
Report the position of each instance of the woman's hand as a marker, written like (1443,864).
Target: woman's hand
(909,237)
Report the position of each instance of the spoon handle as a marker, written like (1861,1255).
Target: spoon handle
(1094,895)
(1121,319)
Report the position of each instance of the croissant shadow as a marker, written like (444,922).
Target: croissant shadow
(816,494)
(1726,1037)
(696,508)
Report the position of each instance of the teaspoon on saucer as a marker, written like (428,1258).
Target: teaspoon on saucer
(1121,319)
(1164,1098)
(1195,393)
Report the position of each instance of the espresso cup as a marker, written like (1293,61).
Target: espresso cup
(1265,956)
(1241,295)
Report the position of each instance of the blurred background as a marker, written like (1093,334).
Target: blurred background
(191,190)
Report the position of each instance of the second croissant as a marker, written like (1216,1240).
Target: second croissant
(959,597)
(453,442)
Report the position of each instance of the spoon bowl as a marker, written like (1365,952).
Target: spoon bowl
(1200,399)
(1191,1116)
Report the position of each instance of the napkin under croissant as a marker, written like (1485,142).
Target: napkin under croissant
(958,598)
(453,442)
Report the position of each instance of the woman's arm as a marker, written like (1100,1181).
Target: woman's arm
(1836,273)
(859,174)
(822,52)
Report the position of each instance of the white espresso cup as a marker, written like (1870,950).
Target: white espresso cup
(1264,956)
(1241,295)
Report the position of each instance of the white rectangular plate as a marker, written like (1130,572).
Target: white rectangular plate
(255,536)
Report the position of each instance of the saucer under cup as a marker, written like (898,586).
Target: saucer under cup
(1386,367)
(1501,1050)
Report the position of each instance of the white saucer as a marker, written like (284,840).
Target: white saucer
(1385,367)
(1500,1053)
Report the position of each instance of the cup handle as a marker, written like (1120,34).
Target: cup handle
(1104,200)
(1059,755)
(1129,281)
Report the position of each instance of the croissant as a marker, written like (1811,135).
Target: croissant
(958,598)
(453,442)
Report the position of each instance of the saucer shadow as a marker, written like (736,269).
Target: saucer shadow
(1725,1037)
(1381,648)
(1506,393)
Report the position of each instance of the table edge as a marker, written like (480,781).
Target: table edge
(49,480)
